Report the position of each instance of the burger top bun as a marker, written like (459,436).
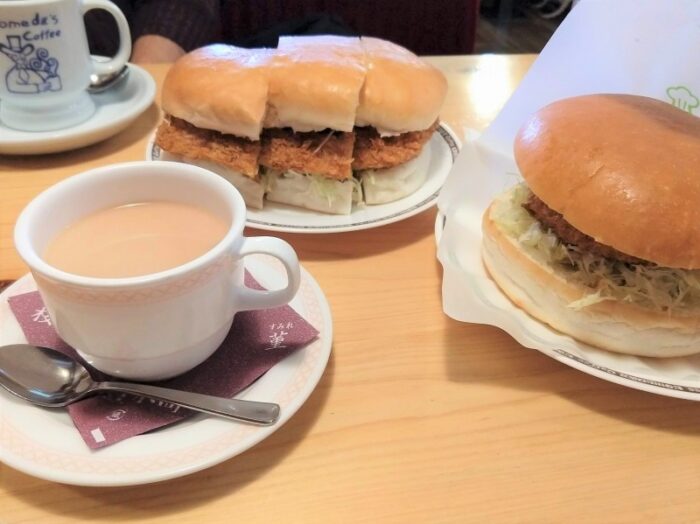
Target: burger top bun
(219,87)
(622,169)
(315,83)
(401,92)
(309,83)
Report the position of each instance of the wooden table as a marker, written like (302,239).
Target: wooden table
(418,418)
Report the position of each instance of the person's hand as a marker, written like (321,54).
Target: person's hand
(155,48)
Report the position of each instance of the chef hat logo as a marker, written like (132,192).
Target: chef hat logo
(682,98)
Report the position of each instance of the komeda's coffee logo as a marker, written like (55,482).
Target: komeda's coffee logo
(33,69)
(36,28)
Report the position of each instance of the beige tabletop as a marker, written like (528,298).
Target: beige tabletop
(417,418)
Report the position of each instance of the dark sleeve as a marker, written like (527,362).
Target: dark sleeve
(188,23)
(101,29)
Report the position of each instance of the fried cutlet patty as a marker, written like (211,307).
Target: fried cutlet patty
(325,153)
(375,152)
(182,138)
(571,236)
(328,153)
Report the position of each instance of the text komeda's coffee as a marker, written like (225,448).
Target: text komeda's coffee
(37,28)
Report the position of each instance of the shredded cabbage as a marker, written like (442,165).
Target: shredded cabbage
(588,300)
(647,285)
(323,142)
(358,196)
(266,179)
(325,188)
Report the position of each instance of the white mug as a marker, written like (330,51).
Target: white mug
(159,325)
(45,62)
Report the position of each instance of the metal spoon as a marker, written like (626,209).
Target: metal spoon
(50,379)
(102,82)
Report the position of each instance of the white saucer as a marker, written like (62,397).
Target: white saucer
(44,443)
(116,109)
(444,146)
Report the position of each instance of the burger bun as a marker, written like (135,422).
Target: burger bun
(613,325)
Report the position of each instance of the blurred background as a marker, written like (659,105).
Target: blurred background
(518,26)
(428,27)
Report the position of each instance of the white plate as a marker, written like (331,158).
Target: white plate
(444,146)
(470,295)
(44,442)
(115,109)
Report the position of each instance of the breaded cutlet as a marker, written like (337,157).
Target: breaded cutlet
(375,152)
(182,138)
(325,153)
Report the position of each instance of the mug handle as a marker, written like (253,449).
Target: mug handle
(115,64)
(250,299)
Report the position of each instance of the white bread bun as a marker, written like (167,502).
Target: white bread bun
(613,325)
(315,83)
(308,83)
(380,186)
(252,190)
(401,92)
(219,87)
(298,190)
(622,169)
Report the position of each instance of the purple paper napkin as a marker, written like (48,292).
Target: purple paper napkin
(257,341)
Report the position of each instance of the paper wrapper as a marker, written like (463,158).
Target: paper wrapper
(643,47)
(257,341)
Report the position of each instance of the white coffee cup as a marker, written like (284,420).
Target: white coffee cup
(45,62)
(159,325)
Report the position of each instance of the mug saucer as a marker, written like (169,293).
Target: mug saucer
(116,108)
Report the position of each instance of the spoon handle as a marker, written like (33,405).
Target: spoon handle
(264,413)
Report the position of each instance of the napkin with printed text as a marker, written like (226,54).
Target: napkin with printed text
(257,341)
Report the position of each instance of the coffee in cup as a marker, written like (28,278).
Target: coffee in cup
(163,320)
(45,62)
(135,239)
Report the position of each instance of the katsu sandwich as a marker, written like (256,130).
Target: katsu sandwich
(320,122)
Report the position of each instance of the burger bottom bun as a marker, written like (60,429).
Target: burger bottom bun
(250,189)
(613,325)
(298,190)
(381,186)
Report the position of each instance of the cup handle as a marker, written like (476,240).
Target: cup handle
(250,299)
(115,64)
